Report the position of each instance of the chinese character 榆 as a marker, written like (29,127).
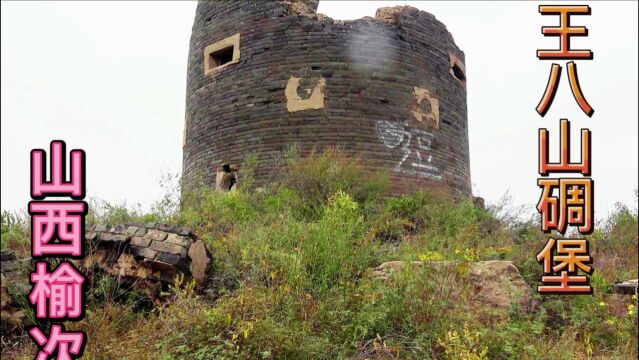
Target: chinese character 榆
(564,164)
(57,220)
(57,185)
(60,345)
(566,201)
(61,289)
(561,269)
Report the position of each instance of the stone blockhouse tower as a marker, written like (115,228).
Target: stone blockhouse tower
(264,75)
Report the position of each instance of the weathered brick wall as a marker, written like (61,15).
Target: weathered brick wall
(383,88)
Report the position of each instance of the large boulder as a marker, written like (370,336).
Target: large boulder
(147,251)
(499,284)
(496,284)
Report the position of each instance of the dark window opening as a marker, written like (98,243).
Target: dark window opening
(220,57)
(426,106)
(459,73)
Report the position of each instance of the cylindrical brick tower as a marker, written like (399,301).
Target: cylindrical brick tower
(264,75)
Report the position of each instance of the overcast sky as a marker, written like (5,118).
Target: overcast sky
(110,78)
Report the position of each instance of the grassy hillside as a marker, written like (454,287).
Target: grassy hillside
(290,278)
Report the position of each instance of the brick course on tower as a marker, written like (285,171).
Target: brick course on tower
(265,75)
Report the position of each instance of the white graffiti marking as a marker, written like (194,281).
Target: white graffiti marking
(390,134)
(399,136)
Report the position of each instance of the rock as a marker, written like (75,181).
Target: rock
(143,252)
(303,7)
(140,241)
(628,287)
(141,231)
(178,240)
(168,248)
(183,231)
(499,284)
(391,14)
(200,259)
(120,238)
(156,235)
(112,238)
(165,228)
(131,230)
(496,284)
(175,260)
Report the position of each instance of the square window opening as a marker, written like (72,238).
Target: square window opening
(457,69)
(459,73)
(221,57)
(221,53)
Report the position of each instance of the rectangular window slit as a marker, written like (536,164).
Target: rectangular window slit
(222,53)
(221,57)
(459,73)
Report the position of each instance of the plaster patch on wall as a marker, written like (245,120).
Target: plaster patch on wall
(414,146)
(423,97)
(186,125)
(315,99)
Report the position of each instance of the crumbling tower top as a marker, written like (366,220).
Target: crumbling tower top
(266,75)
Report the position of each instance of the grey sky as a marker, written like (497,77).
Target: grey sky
(110,77)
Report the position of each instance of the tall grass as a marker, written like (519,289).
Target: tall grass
(290,277)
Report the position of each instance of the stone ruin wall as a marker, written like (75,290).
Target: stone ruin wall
(149,256)
(149,251)
(390,89)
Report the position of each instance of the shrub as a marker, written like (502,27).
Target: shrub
(15,232)
(320,175)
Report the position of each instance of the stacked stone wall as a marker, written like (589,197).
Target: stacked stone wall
(148,251)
